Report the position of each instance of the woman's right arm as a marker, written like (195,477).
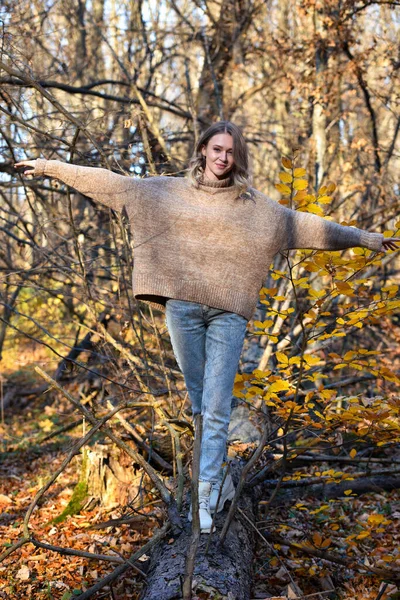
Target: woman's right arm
(102,185)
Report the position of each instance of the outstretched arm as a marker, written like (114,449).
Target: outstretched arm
(305,230)
(102,185)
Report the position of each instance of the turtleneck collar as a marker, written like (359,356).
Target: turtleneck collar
(217,184)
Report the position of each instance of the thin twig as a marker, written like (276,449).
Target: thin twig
(195,538)
(178,461)
(72,552)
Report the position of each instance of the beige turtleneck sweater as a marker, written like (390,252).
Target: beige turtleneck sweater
(204,245)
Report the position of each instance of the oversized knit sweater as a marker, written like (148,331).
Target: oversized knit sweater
(205,244)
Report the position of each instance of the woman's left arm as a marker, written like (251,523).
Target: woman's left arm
(305,230)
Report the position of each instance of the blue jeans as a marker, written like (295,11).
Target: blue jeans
(207,344)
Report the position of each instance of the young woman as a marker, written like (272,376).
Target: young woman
(203,247)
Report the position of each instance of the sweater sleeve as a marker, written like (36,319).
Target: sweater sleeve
(306,230)
(101,185)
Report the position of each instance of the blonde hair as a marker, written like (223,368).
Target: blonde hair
(240,172)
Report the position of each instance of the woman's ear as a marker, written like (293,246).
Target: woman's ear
(203,150)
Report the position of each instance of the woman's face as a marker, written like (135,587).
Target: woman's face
(219,156)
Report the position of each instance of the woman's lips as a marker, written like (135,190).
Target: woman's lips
(221,166)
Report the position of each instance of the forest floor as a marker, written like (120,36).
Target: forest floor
(366,526)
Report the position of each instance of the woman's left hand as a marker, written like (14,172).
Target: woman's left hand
(390,244)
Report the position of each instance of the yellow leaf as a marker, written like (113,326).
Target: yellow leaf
(300,172)
(287,163)
(46,425)
(344,288)
(300,195)
(311,267)
(285,177)
(269,291)
(261,374)
(278,386)
(295,360)
(301,280)
(273,338)
(325,199)
(356,366)
(300,184)
(282,188)
(348,492)
(310,198)
(315,209)
(330,188)
(363,535)
(322,190)
(311,360)
(282,358)
(316,293)
(353,452)
(376,519)
(328,393)
(349,355)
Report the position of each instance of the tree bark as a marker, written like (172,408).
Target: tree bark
(225,569)
(232,22)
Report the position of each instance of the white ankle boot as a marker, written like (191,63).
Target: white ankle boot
(204,507)
(228,493)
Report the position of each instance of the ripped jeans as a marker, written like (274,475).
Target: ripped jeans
(207,344)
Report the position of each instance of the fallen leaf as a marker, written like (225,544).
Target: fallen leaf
(5,500)
(36,557)
(23,574)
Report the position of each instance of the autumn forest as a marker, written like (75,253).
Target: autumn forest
(97,445)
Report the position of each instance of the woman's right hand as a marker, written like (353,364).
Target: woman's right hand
(26,163)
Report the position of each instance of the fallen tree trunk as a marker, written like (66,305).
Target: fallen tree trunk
(224,569)
(334,490)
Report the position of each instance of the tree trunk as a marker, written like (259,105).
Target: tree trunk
(110,476)
(231,21)
(225,569)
